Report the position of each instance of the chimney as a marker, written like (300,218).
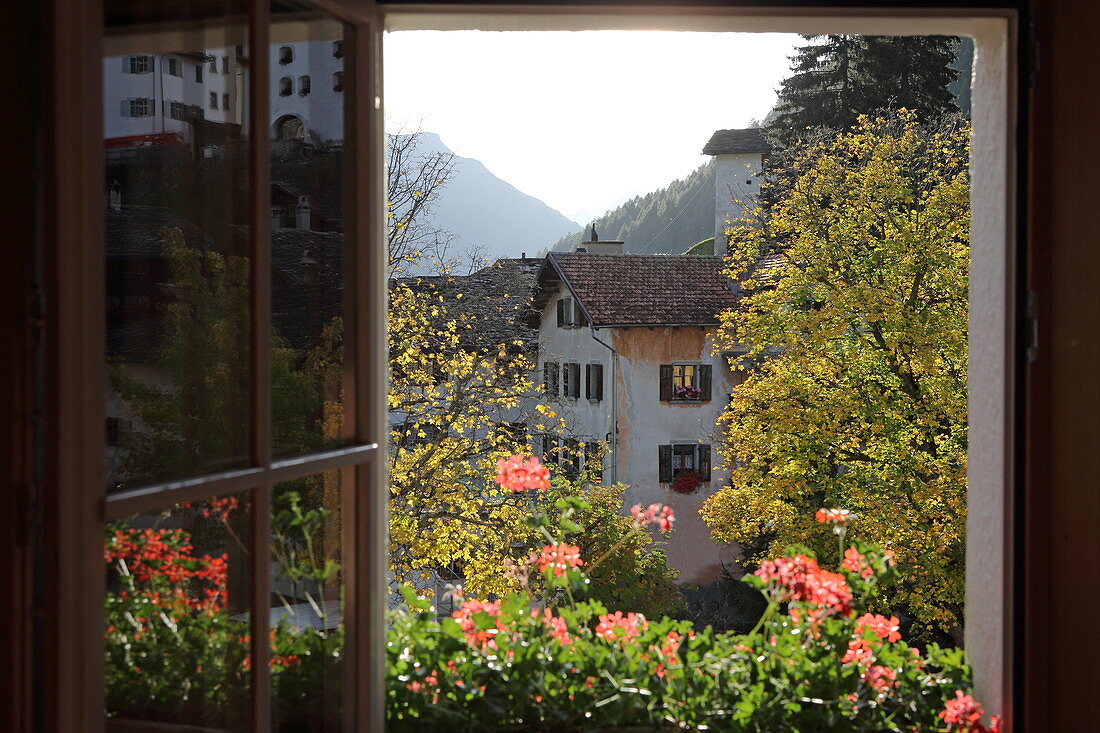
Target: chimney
(595,246)
(301,220)
(114,196)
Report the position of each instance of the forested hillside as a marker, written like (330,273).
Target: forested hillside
(669,220)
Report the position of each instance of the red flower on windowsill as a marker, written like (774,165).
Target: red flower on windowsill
(686,482)
(686,392)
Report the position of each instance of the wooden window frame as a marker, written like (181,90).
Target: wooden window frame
(76,509)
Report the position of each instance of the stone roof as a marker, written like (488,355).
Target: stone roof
(307,284)
(134,231)
(725,142)
(491,302)
(639,290)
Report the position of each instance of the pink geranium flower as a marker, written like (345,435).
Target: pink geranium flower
(519,474)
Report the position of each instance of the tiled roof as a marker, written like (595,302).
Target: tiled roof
(643,290)
(724,142)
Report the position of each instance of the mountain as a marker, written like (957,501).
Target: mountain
(490,214)
(668,221)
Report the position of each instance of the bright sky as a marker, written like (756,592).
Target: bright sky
(582,120)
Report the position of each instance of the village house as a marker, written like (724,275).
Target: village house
(626,345)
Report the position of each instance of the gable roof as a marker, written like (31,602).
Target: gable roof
(725,142)
(639,290)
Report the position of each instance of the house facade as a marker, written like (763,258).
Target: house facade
(626,354)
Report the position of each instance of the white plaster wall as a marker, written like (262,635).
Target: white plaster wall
(162,87)
(584,419)
(736,187)
(322,110)
(644,422)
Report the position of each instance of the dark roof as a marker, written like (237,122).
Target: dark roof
(491,303)
(307,284)
(750,140)
(639,290)
(135,231)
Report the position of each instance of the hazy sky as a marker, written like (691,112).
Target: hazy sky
(582,120)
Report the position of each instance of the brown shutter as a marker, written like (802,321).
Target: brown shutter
(572,458)
(588,381)
(705,371)
(561,312)
(664,464)
(666,382)
(704,461)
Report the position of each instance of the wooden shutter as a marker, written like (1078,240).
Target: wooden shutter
(588,381)
(591,450)
(597,375)
(666,382)
(561,312)
(578,314)
(572,458)
(703,464)
(664,464)
(549,449)
(705,372)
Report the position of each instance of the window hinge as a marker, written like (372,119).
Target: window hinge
(1031,315)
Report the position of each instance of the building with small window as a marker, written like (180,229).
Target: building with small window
(171,95)
(626,353)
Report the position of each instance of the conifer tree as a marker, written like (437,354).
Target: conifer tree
(836,78)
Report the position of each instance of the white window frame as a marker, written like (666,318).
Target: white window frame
(694,380)
(140,64)
(993,296)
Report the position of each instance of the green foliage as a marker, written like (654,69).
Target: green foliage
(518,665)
(661,221)
(636,576)
(836,78)
(858,344)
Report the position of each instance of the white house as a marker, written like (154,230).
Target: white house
(153,97)
(626,353)
(739,157)
(307,84)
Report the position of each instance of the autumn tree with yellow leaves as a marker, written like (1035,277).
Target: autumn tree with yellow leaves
(855,347)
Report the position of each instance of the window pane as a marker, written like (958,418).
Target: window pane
(306,614)
(176,234)
(177,633)
(307,240)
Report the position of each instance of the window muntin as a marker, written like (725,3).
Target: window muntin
(213,100)
(177,110)
(138,64)
(175,66)
(225,101)
(685,381)
(550,371)
(140,107)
